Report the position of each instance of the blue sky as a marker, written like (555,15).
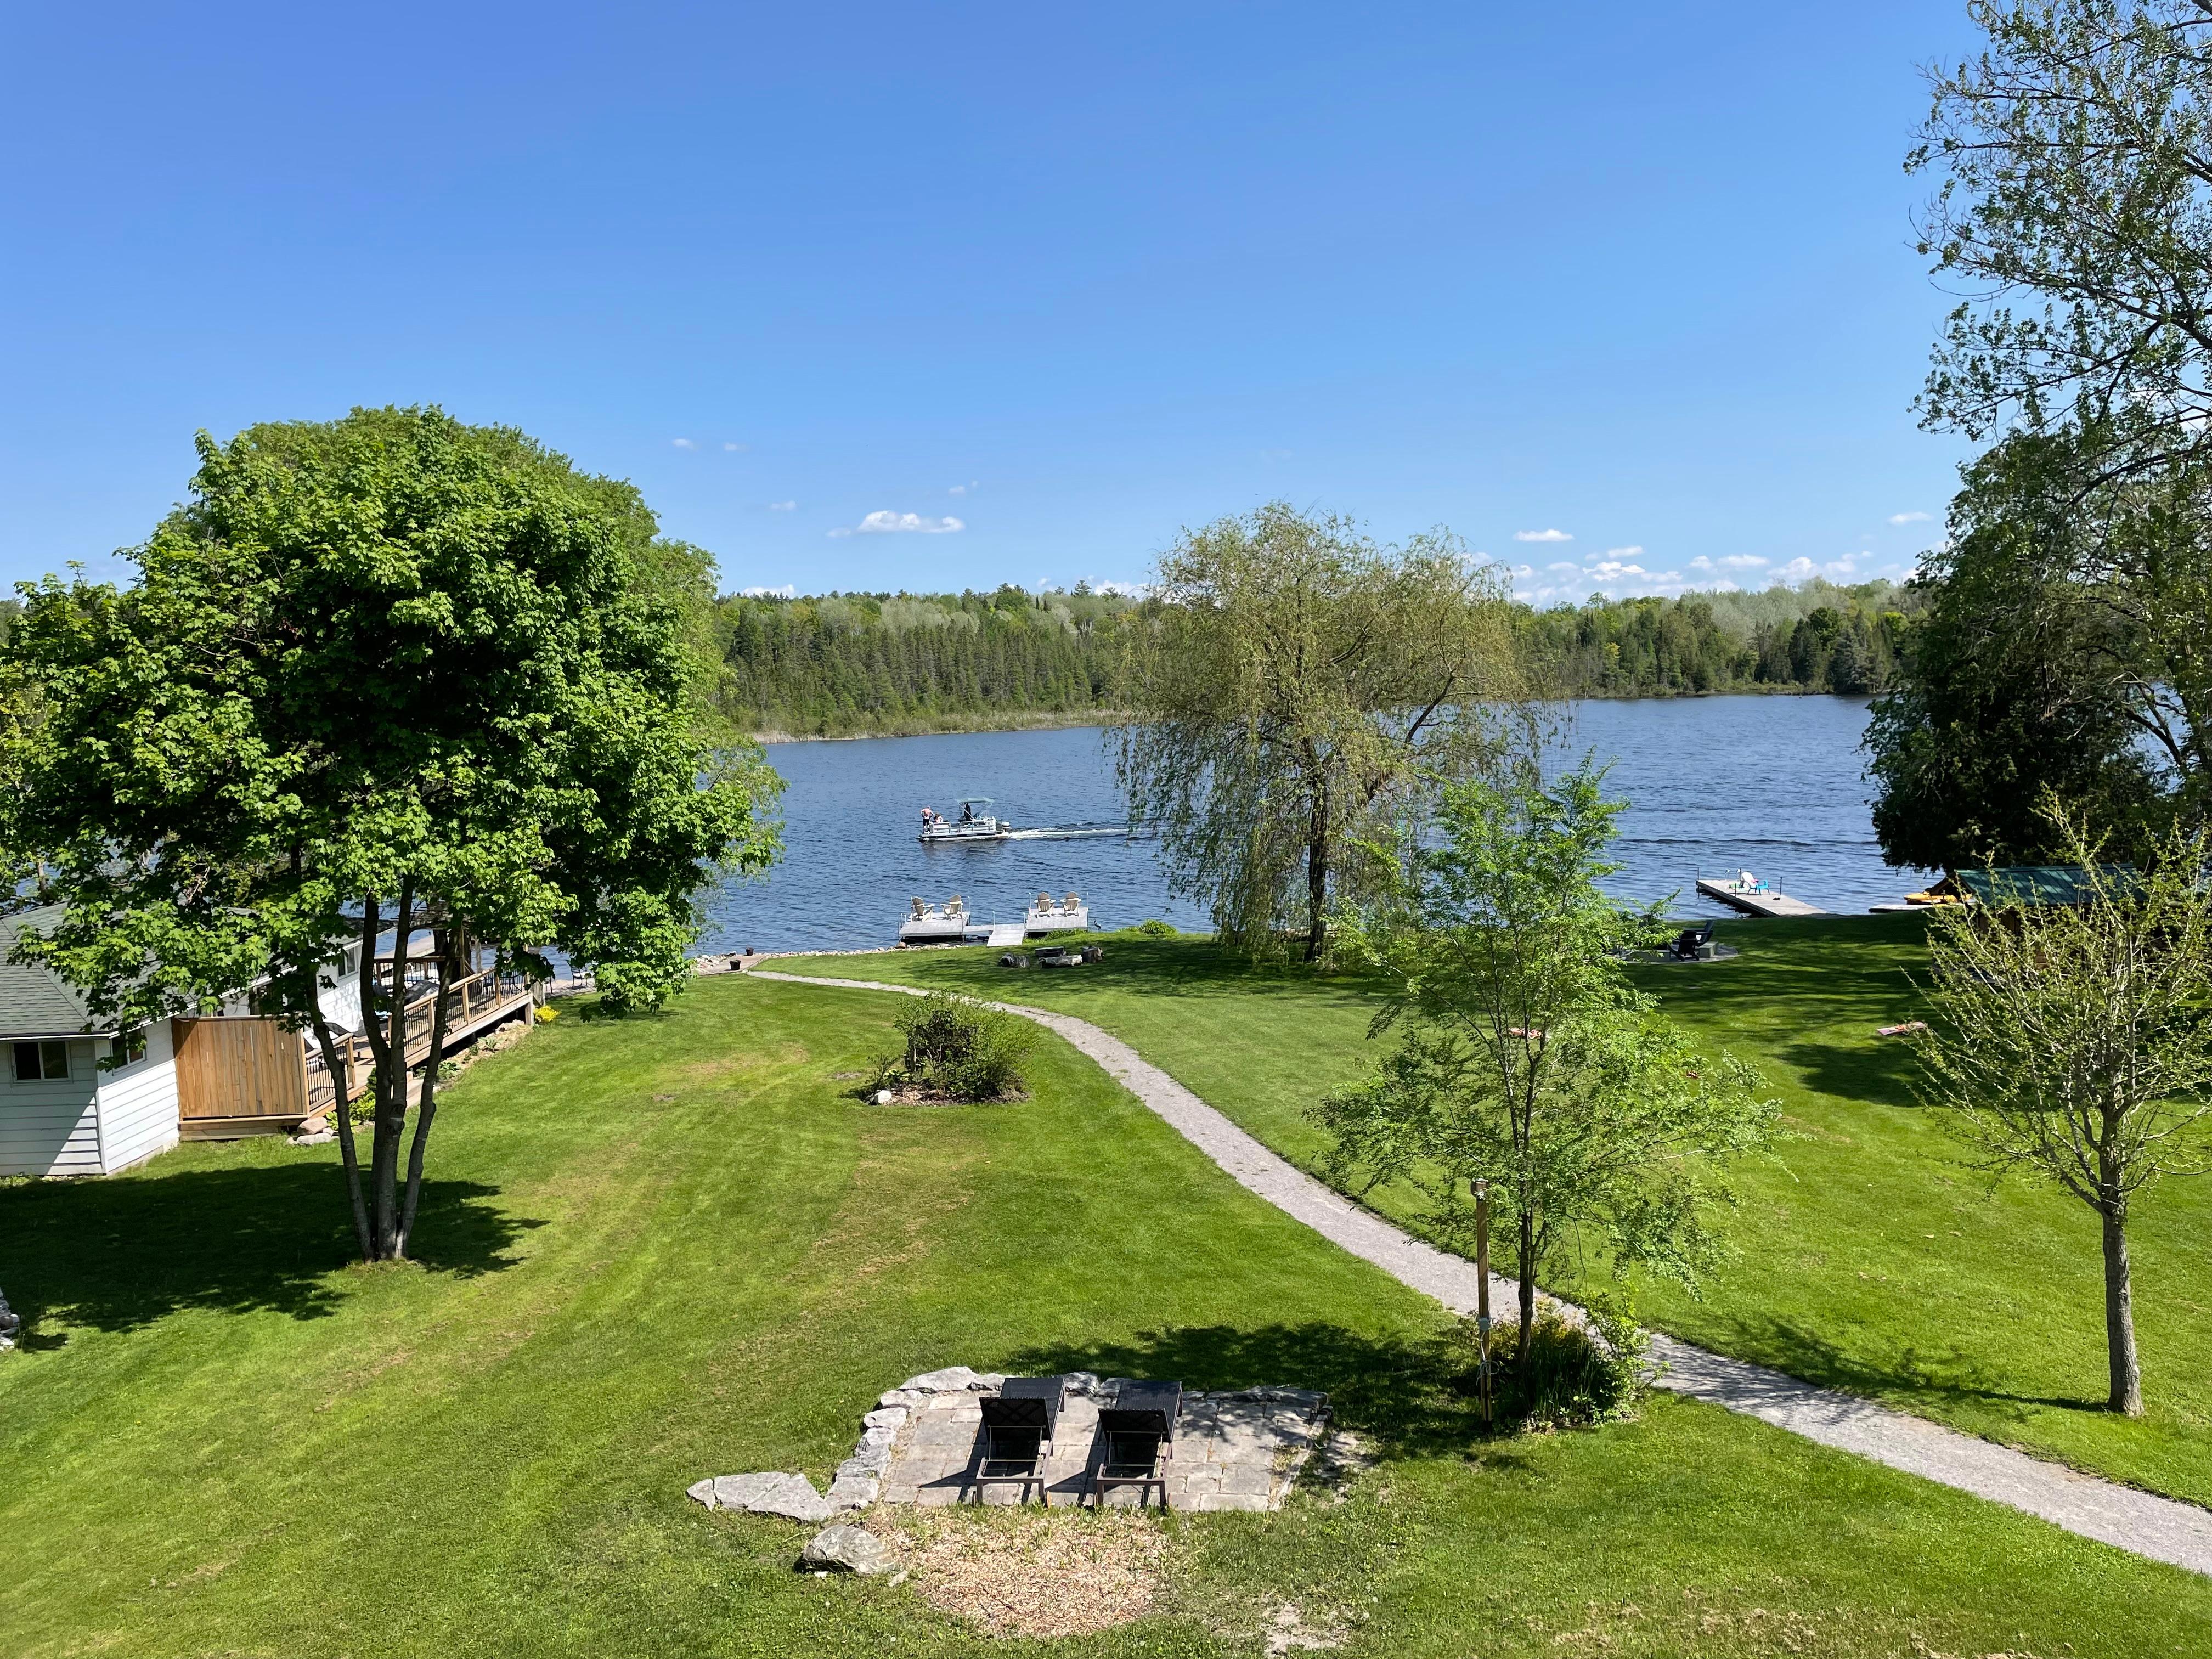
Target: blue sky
(931,296)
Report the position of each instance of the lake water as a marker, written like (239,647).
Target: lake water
(1715,785)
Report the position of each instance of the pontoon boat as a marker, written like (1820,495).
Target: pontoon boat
(973,824)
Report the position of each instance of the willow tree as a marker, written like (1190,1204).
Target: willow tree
(389,672)
(1293,685)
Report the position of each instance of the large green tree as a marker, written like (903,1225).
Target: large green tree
(2046,659)
(1293,682)
(1529,1061)
(2074,156)
(2074,206)
(386,673)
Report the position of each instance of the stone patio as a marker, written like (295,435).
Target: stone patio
(1239,1449)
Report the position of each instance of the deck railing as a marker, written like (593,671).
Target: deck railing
(474,999)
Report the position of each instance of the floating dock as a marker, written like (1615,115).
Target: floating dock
(1757,902)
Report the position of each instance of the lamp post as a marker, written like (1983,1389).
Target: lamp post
(1482,1288)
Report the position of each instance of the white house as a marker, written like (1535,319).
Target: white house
(221,1078)
(61,1111)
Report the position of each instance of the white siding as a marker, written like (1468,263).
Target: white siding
(50,1127)
(138,1104)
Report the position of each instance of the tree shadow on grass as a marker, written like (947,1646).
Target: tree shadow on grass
(1874,1075)
(115,1254)
(1786,1345)
(1410,1394)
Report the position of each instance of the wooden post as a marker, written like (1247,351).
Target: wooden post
(1482,1288)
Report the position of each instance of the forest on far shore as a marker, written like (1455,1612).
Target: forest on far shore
(842,664)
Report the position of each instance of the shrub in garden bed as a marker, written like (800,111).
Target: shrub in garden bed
(956,1050)
(1569,1374)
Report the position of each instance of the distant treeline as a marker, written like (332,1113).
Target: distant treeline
(847,662)
(1819,637)
(906,662)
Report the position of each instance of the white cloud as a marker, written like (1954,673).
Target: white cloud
(1741,561)
(684,443)
(1563,564)
(785,591)
(884,523)
(962,489)
(1125,590)
(1623,552)
(1523,572)
(1908,518)
(1606,570)
(735,449)
(783,506)
(1797,570)
(1541,536)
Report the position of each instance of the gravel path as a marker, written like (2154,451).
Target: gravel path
(2159,1528)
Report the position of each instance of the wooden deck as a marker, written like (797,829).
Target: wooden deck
(480,1002)
(1757,905)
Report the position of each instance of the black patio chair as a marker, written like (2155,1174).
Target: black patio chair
(1017,1438)
(1689,941)
(1136,1438)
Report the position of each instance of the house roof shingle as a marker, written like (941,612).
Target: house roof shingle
(35,1002)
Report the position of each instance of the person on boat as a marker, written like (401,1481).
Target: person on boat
(967,813)
(928,817)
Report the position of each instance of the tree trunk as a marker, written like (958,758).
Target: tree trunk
(429,1109)
(1317,873)
(392,1088)
(1527,1278)
(342,1119)
(2126,1372)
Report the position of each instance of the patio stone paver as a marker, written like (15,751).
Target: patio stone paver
(1235,1450)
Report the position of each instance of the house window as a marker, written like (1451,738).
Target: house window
(35,1061)
(129,1046)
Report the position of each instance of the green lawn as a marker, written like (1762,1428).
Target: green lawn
(1872,1257)
(660,1249)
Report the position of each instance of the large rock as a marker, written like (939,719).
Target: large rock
(772,1492)
(885,1417)
(854,1489)
(9,1324)
(951,1380)
(847,1548)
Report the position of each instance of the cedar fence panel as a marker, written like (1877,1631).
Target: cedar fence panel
(238,1068)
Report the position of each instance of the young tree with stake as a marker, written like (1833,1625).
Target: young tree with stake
(1529,1062)
(2073,1043)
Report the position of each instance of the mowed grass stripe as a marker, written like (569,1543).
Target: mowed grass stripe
(262,1450)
